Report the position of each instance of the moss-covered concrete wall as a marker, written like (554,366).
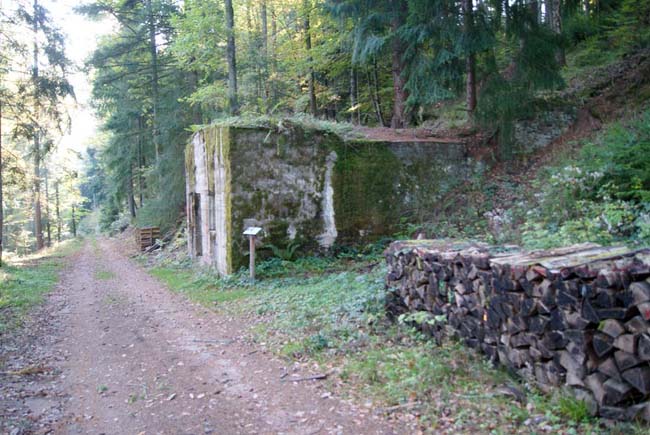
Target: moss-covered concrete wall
(277,184)
(378,185)
(310,188)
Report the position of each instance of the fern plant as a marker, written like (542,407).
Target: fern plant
(288,253)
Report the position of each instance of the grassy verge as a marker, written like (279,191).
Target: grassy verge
(200,286)
(335,318)
(24,282)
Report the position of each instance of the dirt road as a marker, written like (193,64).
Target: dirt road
(117,353)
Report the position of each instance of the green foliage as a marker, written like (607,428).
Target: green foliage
(508,96)
(581,27)
(139,164)
(623,157)
(287,253)
(573,409)
(601,197)
(631,27)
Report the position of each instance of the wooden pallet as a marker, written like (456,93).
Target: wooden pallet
(145,237)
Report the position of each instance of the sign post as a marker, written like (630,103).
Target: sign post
(252,233)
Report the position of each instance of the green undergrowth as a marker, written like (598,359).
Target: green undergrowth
(24,281)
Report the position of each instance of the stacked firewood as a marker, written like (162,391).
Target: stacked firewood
(576,316)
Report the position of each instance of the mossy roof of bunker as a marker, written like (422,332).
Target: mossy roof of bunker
(347,132)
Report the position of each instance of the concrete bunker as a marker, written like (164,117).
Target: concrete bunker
(306,187)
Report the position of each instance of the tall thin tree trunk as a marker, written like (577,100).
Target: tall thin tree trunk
(265,55)
(400,94)
(355,116)
(58,211)
(470,61)
(231,59)
(197,117)
(47,208)
(38,224)
(2,216)
(274,63)
(129,190)
(141,162)
(554,12)
(376,98)
(153,51)
(74,222)
(313,109)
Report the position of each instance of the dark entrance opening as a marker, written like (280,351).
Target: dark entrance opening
(198,225)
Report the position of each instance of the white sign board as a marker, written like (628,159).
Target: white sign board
(252,231)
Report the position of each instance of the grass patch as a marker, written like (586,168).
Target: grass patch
(202,287)
(25,280)
(104,275)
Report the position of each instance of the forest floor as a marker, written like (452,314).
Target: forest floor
(147,344)
(112,351)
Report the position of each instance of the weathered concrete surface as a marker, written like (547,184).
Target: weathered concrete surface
(309,188)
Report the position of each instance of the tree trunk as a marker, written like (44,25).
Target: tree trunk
(355,115)
(400,95)
(141,162)
(470,61)
(265,56)
(38,216)
(129,190)
(376,99)
(154,76)
(47,209)
(38,224)
(273,60)
(58,211)
(555,23)
(231,59)
(74,222)
(534,10)
(2,217)
(313,109)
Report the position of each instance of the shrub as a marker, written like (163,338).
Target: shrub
(604,196)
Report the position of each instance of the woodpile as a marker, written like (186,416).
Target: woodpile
(576,316)
(146,237)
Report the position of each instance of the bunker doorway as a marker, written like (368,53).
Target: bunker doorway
(198,224)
